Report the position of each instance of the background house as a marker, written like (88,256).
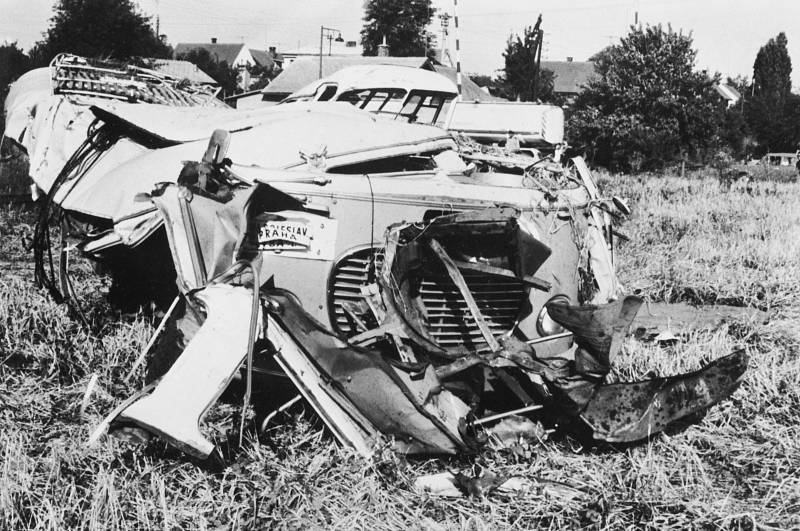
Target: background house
(182,70)
(269,59)
(728,93)
(569,77)
(252,64)
(236,55)
(329,48)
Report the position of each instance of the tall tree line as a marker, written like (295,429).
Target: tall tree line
(773,112)
(649,105)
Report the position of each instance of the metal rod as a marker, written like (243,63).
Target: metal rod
(268,372)
(153,338)
(281,409)
(499,416)
(466,294)
(548,338)
(321,30)
(251,339)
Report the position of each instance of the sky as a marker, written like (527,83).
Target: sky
(727,33)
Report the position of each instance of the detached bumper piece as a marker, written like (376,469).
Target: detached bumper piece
(631,411)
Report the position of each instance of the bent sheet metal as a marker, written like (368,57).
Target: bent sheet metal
(417,285)
(394,371)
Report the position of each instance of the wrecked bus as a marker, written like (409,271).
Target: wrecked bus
(407,291)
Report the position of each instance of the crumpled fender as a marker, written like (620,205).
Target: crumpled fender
(421,415)
(627,412)
(631,411)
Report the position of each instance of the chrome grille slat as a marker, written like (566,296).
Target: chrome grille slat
(444,326)
(450,321)
(449,310)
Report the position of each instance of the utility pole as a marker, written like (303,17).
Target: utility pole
(444,20)
(546,46)
(538,35)
(323,31)
(458,49)
(330,43)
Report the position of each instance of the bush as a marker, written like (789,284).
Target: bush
(647,106)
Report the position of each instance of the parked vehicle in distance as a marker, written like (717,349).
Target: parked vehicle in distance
(773,166)
(776,159)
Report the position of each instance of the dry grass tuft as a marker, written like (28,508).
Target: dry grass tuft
(692,240)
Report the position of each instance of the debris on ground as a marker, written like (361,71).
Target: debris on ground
(680,318)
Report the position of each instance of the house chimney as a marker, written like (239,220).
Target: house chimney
(213,40)
(569,59)
(383,49)
(273,51)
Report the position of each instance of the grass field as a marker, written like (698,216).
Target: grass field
(14,178)
(692,240)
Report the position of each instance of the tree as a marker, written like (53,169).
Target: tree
(522,78)
(734,132)
(482,80)
(112,29)
(13,63)
(648,105)
(224,74)
(401,22)
(790,127)
(262,75)
(767,112)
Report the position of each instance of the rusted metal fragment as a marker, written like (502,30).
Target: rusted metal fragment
(446,484)
(679,318)
(598,330)
(627,412)
(514,428)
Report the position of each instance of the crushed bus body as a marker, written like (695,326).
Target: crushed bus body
(412,281)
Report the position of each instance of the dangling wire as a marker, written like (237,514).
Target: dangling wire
(371,271)
(99,140)
(251,340)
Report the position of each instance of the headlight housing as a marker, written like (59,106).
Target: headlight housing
(545,325)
